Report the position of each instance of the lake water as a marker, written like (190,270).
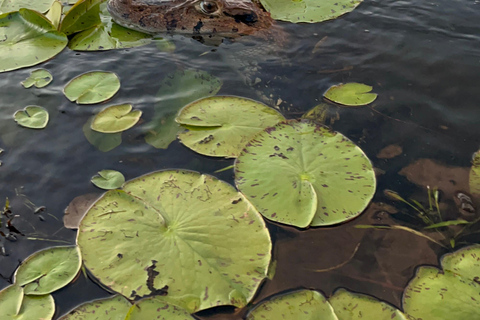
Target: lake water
(421,57)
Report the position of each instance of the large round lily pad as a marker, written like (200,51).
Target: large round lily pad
(303,174)
(351,94)
(15,305)
(48,270)
(92,87)
(308,10)
(221,126)
(453,293)
(27,39)
(116,119)
(185,235)
(112,308)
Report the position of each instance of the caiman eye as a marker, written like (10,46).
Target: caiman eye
(208,7)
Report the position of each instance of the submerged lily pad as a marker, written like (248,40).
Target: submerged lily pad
(303,174)
(115,119)
(15,5)
(39,78)
(27,39)
(153,308)
(221,126)
(102,141)
(108,179)
(453,293)
(474,177)
(92,87)
(15,305)
(188,236)
(301,305)
(351,94)
(112,308)
(308,10)
(48,270)
(33,117)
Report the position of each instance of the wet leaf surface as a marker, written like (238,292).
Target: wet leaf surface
(33,117)
(351,94)
(116,119)
(92,87)
(108,179)
(39,78)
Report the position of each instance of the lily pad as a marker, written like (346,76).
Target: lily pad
(153,308)
(474,177)
(112,308)
(176,91)
(33,117)
(108,179)
(221,126)
(27,39)
(308,10)
(351,306)
(39,78)
(303,174)
(77,209)
(453,293)
(82,16)
(304,305)
(48,270)
(102,141)
(15,5)
(115,119)
(92,87)
(188,236)
(54,14)
(351,94)
(15,305)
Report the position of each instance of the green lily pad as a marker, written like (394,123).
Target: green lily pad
(221,126)
(351,94)
(176,91)
(108,179)
(15,305)
(112,308)
(449,294)
(308,10)
(27,39)
(33,117)
(115,119)
(177,233)
(15,5)
(303,304)
(54,14)
(48,270)
(303,174)
(474,178)
(153,308)
(351,306)
(82,16)
(39,78)
(92,87)
(102,141)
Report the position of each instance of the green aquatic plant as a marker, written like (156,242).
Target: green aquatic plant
(15,5)
(351,94)
(108,179)
(92,87)
(14,304)
(116,119)
(33,117)
(112,308)
(102,141)
(39,78)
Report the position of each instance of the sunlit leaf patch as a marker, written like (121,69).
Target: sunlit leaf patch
(116,118)
(92,87)
(221,126)
(17,306)
(33,117)
(108,179)
(54,14)
(351,94)
(112,308)
(303,174)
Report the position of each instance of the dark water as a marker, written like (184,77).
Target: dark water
(421,57)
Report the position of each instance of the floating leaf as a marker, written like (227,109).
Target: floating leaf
(303,174)
(351,94)
(82,16)
(77,208)
(176,91)
(474,177)
(157,309)
(33,117)
(308,10)
(102,141)
(92,87)
(111,308)
(54,14)
(350,306)
(115,119)
(304,305)
(221,126)
(27,39)
(15,5)
(48,270)
(15,305)
(179,233)
(108,179)
(39,78)
(449,294)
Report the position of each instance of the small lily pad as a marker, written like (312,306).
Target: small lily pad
(92,87)
(15,305)
(474,177)
(102,141)
(48,270)
(108,179)
(351,94)
(303,174)
(115,119)
(221,126)
(15,5)
(39,78)
(27,38)
(154,308)
(33,117)
(112,308)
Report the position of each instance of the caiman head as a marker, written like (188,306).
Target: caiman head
(192,17)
